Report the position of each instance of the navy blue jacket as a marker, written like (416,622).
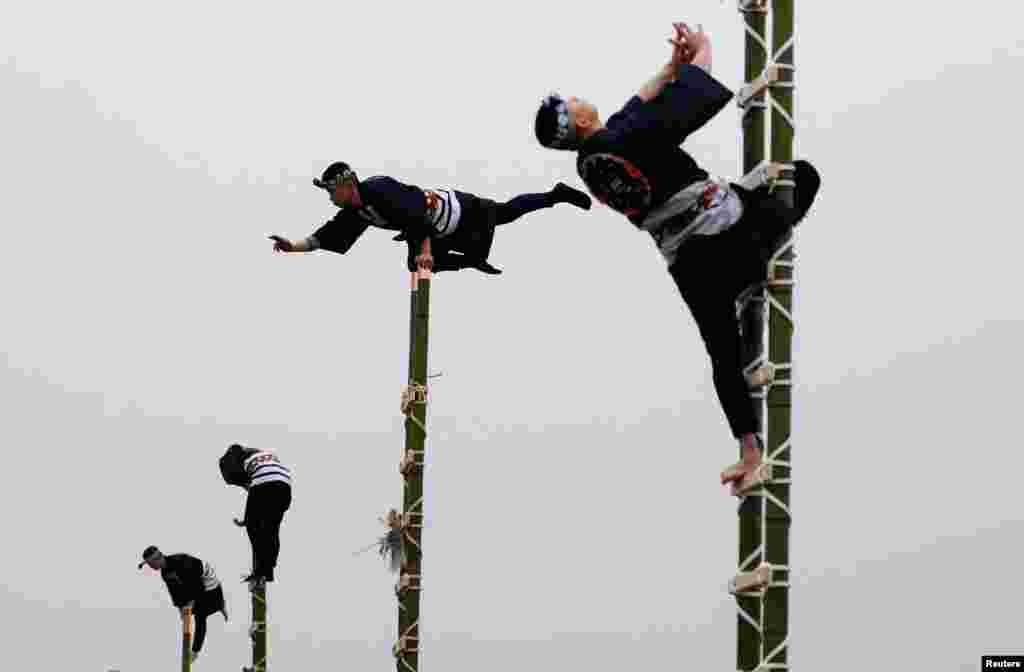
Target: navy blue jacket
(386,204)
(635,164)
(183,575)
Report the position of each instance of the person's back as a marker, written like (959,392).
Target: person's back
(183,575)
(269,484)
(630,174)
(191,582)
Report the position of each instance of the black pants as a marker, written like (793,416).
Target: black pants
(210,602)
(264,511)
(471,242)
(513,209)
(712,271)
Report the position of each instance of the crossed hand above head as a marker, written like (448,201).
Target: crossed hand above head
(686,43)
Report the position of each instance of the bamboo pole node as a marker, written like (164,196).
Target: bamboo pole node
(752,582)
(763,375)
(753,6)
(407,582)
(767,173)
(408,461)
(413,394)
(758,85)
(401,523)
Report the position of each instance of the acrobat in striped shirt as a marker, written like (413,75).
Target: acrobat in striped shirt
(265,467)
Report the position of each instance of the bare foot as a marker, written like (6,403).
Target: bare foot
(750,462)
(739,471)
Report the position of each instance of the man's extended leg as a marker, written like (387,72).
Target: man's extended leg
(513,209)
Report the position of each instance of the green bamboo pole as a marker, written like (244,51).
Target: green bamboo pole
(412,321)
(259,629)
(186,640)
(408,590)
(780,350)
(403,623)
(749,616)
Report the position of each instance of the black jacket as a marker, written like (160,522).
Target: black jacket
(386,204)
(635,164)
(183,575)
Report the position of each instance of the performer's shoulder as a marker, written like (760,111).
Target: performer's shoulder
(381,182)
(176,560)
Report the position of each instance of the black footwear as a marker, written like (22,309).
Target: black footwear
(485,267)
(563,193)
(255,582)
(808,181)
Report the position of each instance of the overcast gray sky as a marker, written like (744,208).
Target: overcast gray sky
(574,514)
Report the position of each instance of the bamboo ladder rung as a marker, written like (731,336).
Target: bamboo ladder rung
(749,91)
(752,581)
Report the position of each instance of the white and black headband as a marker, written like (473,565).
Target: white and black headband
(565,129)
(346,175)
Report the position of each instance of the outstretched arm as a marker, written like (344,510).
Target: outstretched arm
(284,245)
(337,235)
